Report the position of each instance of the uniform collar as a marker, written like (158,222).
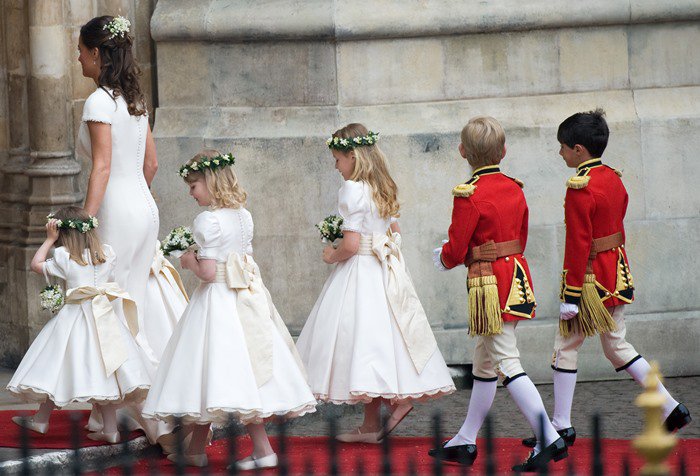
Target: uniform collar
(487,169)
(589,164)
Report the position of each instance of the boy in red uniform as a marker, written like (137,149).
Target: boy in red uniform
(596,281)
(488,234)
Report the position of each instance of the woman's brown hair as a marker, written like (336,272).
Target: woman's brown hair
(119,70)
(76,242)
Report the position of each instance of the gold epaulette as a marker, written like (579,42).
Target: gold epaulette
(467,189)
(464,190)
(578,182)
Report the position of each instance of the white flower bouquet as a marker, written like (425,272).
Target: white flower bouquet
(330,228)
(177,242)
(52,298)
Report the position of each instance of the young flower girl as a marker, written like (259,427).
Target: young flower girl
(367,339)
(231,353)
(87,352)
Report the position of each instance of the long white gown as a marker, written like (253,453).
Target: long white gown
(209,368)
(128,216)
(65,361)
(351,344)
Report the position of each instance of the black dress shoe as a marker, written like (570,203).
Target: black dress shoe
(679,417)
(568,434)
(462,454)
(556,451)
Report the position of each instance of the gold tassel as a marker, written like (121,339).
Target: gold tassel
(476,294)
(492,306)
(593,318)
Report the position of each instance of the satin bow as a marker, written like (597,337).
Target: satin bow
(162,266)
(109,333)
(403,300)
(258,315)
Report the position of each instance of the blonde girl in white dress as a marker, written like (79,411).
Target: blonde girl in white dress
(87,352)
(367,339)
(230,354)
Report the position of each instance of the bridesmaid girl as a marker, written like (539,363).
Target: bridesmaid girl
(87,352)
(230,354)
(367,339)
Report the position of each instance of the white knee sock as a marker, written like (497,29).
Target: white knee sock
(639,370)
(564,386)
(528,399)
(480,402)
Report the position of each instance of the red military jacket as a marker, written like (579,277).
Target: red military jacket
(595,206)
(493,207)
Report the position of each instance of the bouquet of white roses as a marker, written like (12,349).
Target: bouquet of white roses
(51,298)
(177,242)
(330,228)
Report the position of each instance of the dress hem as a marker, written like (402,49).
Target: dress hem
(223,414)
(359,396)
(137,393)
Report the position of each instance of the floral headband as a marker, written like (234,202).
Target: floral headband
(83,226)
(117,27)
(351,142)
(207,163)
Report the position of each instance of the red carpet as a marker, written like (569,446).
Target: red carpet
(58,437)
(310,455)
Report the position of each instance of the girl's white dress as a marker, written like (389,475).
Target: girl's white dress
(65,361)
(165,302)
(355,343)
(230,352)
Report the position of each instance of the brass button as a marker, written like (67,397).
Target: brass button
(507,258)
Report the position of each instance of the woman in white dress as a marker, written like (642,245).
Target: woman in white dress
(367,339)
(231,353)
(115,135)
(80,355)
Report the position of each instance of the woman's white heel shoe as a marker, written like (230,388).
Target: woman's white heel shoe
(269,461)
(30,424)
(106,437)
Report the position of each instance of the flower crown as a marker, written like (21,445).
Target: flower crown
(117,27)
(207,163)
(351,142)
(83,226)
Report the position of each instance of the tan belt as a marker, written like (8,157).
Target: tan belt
(365,245)
(488,253)
(604,243)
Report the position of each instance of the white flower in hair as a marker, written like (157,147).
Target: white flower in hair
(117,27)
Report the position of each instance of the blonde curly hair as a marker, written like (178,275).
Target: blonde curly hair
(222,183)
(371,167)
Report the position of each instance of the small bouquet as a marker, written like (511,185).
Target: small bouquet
(177,242)
(51,298)
(330,228)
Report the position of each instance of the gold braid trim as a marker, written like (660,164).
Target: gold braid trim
(464,190)
(593,318)
(484,306)
(577,182)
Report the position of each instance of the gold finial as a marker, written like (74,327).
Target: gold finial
(655,443)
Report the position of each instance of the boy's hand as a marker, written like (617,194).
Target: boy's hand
(436,259)
(52,231)
(188,260)
(567,311)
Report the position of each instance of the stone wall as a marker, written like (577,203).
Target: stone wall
(270,81)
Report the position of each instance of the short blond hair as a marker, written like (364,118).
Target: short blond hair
(371,167)
(483,139)
(222,182)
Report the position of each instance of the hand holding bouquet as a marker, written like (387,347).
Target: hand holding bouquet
(178,241)
(51,298)
(330,228)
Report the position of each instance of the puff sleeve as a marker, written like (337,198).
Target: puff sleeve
(99,107)
(207,234)
(58,265)
(351,205)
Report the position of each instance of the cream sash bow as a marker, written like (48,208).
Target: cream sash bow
(112,345)
(258,315)
(162,266)
(403,300)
